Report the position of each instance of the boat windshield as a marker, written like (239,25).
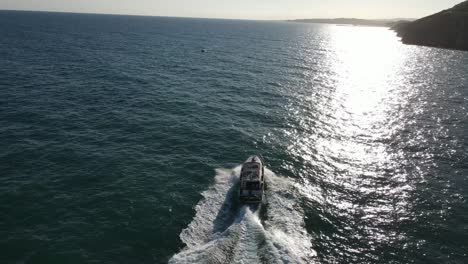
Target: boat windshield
(252,186)
(252,173)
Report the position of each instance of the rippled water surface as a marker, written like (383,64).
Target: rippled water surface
(121,142)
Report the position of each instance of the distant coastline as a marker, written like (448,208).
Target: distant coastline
(354,21)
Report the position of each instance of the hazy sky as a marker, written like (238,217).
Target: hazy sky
(244,9)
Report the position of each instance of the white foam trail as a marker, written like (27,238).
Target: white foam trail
(285,221)
(223,231)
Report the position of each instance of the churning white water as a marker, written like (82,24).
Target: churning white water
(225,231)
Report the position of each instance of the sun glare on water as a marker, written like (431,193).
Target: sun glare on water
(366,66)
(368,59)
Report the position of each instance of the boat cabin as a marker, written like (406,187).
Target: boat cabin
(252,180)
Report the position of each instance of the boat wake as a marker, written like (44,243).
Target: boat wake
(225,231)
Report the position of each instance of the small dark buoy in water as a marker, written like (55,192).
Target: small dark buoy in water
(203,50)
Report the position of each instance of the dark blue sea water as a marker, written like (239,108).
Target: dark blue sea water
(120,142)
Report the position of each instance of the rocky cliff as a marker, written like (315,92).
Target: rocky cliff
(446,29)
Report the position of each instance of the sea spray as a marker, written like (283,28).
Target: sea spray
(224,231)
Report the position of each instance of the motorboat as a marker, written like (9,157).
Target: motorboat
(252,180)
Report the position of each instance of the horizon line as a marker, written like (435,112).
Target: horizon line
(188,17)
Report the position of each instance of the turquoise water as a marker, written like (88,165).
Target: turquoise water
(121,142)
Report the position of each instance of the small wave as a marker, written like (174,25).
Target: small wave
(225,231)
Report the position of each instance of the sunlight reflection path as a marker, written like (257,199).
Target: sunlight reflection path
(344,136)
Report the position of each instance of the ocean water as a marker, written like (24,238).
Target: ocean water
(121,142)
